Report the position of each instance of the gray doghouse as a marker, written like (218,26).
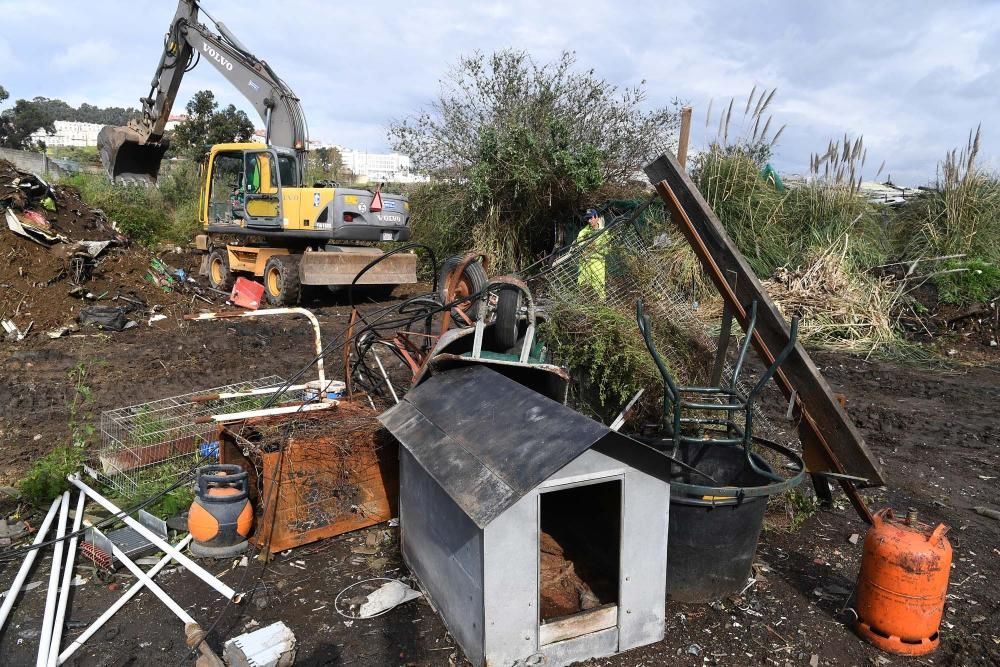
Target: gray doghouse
(485,465)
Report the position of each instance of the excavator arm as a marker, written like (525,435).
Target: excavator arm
(134,152)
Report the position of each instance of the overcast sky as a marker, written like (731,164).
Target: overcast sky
(912,77)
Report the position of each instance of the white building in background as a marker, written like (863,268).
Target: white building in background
(69,133)
(377,167)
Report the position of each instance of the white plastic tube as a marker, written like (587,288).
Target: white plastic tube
(121,602)
(29,560)
(153,586)
(164,546)
(50,597)
(67,580)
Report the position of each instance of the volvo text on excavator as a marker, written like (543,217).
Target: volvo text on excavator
(258,216)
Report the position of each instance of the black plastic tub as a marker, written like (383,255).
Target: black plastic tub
(712,539)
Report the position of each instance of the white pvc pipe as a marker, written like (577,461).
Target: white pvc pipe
(275,311)
(269,412)
(67,581)
(153,586)
(50,596)
(29,559)
(121,602)
(164,546)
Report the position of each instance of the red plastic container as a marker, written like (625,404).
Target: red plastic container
(247,294)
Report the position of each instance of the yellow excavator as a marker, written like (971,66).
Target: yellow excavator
(258,216)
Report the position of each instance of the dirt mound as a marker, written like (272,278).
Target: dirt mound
(47,276)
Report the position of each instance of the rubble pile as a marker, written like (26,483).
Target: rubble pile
(64,264)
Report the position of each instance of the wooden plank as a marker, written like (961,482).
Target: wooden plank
(577,625)
(831,441)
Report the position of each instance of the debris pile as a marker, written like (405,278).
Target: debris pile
(61,259)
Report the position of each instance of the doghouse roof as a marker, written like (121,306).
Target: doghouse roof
(488,441)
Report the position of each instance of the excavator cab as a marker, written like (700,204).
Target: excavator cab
(127,157)
(243,187)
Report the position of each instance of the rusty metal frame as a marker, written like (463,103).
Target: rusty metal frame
(830,441)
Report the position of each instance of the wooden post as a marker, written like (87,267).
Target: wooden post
(682,142)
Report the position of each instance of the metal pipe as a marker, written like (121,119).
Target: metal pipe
(227,314)
(67,581)
(164,546)
(29,560)
(121,602)
(385,375)
(50,596)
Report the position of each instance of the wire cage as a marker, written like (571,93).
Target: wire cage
(162,439)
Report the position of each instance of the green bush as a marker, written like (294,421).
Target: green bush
(968,282)
(47,477)
(168,212)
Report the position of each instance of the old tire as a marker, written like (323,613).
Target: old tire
(281,280)
(507,316)
(220,276)
(473,281)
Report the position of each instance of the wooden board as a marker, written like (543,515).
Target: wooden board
(577,625)
(831,441)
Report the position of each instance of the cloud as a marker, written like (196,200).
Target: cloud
(87,55)
(911,77)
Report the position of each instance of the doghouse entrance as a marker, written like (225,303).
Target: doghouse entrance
(579,559)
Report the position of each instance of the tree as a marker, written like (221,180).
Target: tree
(205,125)
(529,144)
(18,123)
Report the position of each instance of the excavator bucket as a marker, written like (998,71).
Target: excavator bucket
(127,157)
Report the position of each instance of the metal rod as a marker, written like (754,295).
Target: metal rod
(385,375)
(67,581)
(274,311)
(620,419)
(164,546)
(121,602)
(50,596)
(29,559)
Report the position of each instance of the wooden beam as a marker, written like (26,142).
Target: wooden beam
(685,135)
(830,440)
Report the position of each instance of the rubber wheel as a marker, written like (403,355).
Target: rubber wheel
(507,316)
(219,275)
(473,281)
(281,280)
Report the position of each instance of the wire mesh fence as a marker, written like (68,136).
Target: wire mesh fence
(159,440)
(638,260)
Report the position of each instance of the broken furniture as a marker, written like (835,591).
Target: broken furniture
(834,449)
(99,548)
(540,535)
(719,484)
(313,474)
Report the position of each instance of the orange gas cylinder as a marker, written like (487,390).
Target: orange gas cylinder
(221,515)
(903,583)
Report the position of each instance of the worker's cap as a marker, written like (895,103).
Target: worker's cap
(591,213)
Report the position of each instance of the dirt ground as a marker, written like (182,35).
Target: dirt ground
(936,433)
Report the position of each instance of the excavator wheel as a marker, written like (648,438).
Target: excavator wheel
(281,280)
(219,275)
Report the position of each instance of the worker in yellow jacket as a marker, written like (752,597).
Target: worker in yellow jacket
(592,263)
